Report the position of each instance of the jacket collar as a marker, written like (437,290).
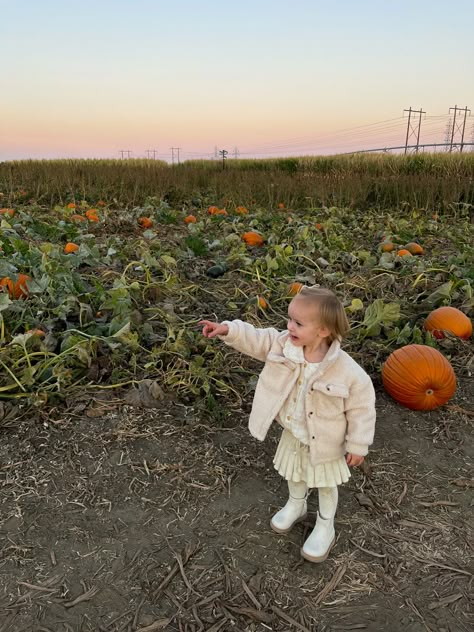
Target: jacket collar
(296,354)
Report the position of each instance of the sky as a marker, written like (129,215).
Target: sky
(92,78)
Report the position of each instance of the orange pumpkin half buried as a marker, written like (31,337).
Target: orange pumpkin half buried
(448,319)
(18,288)
(419,377)
(252,239)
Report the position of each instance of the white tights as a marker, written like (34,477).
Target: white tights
(328,497)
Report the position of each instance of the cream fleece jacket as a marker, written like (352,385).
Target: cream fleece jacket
(340,402)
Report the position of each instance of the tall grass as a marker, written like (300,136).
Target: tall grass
(359,181)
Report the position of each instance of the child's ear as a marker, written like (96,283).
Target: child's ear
(324,332)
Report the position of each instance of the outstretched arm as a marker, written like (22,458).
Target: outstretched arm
(242,336)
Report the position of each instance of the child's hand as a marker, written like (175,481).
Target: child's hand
(211,329)
(353,460)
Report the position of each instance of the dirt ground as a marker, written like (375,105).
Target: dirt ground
(126,520)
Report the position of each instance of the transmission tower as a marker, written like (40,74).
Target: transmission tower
(236,152)
(174,149)
(456,141)
(413,128)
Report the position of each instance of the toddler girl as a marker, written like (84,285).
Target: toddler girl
(322,398)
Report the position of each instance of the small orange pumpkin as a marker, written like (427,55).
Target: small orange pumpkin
(387,246)
(252,239)
(295,288)
(36,332)
(16,289)
(77,218)
(262,302)
(241,210)
(404,253)
(448,319)
(71,205)
(190,219)
(281,205)
(319,226)
(7,211)
(221,211)
(70,247)
(419,377)
(91,215)
(414,248)
(101,203)
(145,222)
(212,210)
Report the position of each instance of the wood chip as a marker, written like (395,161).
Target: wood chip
(368,551)
(289,619)
(463,482)
(160,624)
(86,596)
(252,597)
(445,601)
(251,613)
(440,503)
(332,583)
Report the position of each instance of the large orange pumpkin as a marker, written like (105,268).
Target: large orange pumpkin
(419,377)
(18,288)
(252,239)
(448,319)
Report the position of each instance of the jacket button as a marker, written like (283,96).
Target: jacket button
(311,412)
(313,437)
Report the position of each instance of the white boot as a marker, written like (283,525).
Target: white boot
(322,538)
(294,511)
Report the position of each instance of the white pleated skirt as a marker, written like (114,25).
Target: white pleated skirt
(292,461)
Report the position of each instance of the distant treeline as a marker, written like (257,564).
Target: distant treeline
(357,180)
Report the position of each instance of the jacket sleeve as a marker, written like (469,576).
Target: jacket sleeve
(248,339)
(360,416)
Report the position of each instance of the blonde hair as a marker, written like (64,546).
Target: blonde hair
(331,311)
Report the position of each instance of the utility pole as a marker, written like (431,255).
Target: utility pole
(223,153)
(125,151)
(411,128)
(173,149)
(458,128)
(236,152)
(216,152)
(149,152)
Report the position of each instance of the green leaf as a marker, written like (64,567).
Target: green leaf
(441,294)
(356,305)
(378,314)
(5,301)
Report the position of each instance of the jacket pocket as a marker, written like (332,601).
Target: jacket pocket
(329,398)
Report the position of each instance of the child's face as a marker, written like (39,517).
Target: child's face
(303,325)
